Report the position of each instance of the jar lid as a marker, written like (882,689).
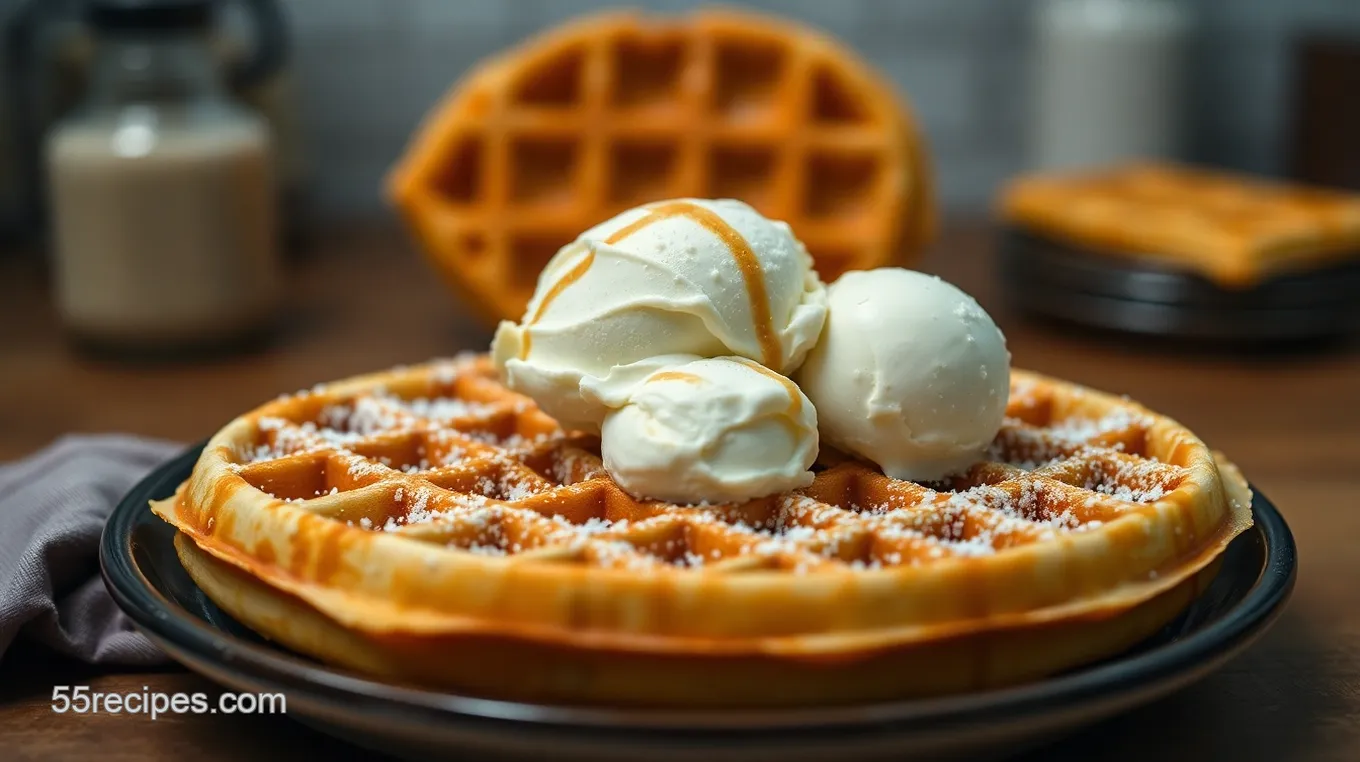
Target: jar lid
(148,15)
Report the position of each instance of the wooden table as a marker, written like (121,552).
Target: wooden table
(1291,421)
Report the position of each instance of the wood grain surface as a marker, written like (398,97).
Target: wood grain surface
(1290,420)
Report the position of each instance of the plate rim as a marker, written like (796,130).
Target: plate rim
(1118,274)
(165,621)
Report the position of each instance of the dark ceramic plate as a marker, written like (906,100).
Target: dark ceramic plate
(1049,279)
(145,577)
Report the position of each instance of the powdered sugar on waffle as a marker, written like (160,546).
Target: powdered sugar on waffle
(1135,480)
(570,466)
(623,554)
(424,505)
(510,484)
(286,438)
(376,414)
(1033,447)
(1132,495)
(801,534)
(1076,431)
(342,425)
(1023,391)
(967,523)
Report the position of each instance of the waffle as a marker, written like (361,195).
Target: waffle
(1233,230)
(430,527)
(615,110)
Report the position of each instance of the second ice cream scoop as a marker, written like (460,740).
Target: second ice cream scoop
(910,373)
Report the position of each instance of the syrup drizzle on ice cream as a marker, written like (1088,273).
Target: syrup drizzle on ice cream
(573,275)
(747,263)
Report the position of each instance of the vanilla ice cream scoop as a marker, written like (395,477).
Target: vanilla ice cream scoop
(687,276)
(909,373)
(686,429)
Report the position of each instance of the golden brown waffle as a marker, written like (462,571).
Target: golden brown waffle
(429,526)
(1235,230)
(616,110)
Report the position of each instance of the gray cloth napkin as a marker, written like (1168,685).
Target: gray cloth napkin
(53,505)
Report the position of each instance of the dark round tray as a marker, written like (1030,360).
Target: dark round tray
(1123,277)
(1106,291)
(144,576)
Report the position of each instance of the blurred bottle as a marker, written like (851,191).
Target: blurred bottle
(161,190)
(1108,81)
(48,54)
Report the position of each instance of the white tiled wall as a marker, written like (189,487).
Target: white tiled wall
(368,69)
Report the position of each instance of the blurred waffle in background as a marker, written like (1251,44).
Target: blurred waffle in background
(1132,214)
(610,111)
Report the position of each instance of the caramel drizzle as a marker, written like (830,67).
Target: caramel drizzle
(795,397)
(741,252)
(675,375)
(574,274)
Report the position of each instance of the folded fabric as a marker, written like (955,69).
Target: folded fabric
(53,505)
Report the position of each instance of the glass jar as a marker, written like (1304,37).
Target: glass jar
(161,190)
(1109,79)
